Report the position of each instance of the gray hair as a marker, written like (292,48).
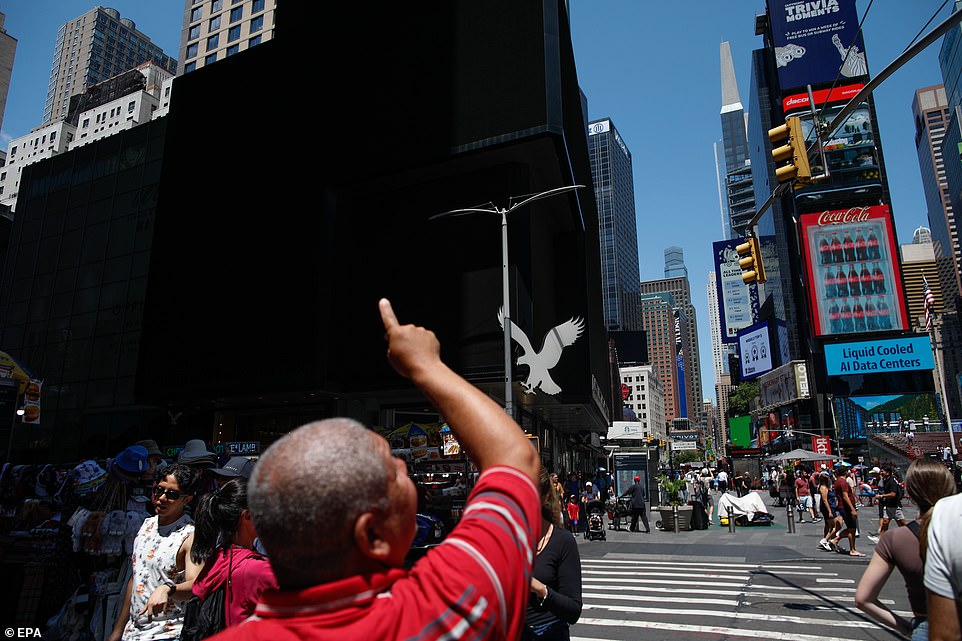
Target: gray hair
(306,493)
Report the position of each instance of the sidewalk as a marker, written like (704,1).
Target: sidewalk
(760,544)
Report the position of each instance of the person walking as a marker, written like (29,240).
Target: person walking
(638,498)
(560,493)
(722,479)
(555,601)
(588,494)
(849,513)
(831,520)
(890,502)
(926,482)
(803,496)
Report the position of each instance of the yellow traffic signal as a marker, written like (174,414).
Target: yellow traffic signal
(793,151)
(751,261)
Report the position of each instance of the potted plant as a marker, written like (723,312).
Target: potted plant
(672,489)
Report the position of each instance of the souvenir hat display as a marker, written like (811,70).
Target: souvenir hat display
(88,477)
(236,466)
(130,464)
(195,454)
(151,446)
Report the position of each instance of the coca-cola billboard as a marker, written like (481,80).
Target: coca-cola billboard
(855,286)
(822,445)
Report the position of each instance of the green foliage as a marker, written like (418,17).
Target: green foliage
(672,488)
(739,401)
(688,456)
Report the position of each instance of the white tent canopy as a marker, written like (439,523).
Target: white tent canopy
(802,455)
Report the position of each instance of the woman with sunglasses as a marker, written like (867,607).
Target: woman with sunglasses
(162,571)
(223,545)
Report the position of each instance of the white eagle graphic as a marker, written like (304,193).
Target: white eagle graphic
(540,362)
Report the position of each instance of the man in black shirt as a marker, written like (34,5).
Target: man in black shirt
(637,494)
(890,504)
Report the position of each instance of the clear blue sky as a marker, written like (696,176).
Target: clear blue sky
(652,67)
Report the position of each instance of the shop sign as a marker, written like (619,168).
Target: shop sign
(873,357)
(822,445)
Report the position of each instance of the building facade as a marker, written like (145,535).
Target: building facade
(8,50)
(930,109)
(216,29)
(118,104)
(92,48)
(657,317)
(680,292)
(615,195)
(646,398)
(739,196)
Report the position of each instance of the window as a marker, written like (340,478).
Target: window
(214,24)
(190,66)
(130,107)
(257,5)
(212,41)
(257,24)
(211,59)
(216,5)
(233,33)
(253,42)
(192,50)
(236,14)
(231,50)
(194,32)
(196,13)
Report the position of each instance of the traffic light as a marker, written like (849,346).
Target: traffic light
(793,151)
(751,261)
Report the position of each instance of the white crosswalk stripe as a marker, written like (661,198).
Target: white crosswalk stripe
(640,598)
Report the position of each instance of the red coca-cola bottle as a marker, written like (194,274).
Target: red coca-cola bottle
(878,280)
(858,316)
(848,246)
(871,315)
(871,246)
(834,318)
(838,255)
(884,319)
(854,288)
(845,317)
(830,286)
(861,249)
(824,251)
(866,280)
(841,282)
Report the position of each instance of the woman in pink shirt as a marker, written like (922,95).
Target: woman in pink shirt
(223,542)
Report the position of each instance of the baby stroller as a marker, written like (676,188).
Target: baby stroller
(596,522)
(618,509)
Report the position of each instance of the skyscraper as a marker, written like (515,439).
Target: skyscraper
(720,352)
(739,196)
(615,195)
(680,292)
(675,263)
(92,48)
(212,32)
(8,49)
(657,314)
(930,110)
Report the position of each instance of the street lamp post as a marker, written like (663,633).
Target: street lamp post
(503,212)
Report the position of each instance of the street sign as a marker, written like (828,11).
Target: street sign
(678,446)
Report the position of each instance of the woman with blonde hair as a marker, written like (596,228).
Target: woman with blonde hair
(926,481)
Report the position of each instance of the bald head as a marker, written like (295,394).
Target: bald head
(308,490)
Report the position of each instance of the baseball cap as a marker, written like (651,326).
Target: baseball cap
(875,470)
(588,484)
(637,478)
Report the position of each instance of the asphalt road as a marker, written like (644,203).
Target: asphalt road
(757,583)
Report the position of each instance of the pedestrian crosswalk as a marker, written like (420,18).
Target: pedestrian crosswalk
(637,597)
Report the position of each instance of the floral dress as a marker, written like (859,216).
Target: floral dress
(154,563)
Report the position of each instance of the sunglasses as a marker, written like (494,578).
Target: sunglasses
(172,495)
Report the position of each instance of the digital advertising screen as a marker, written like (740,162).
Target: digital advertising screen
(755,351)
(852,265)
(857,416)
(816,42)
(873,357)
(737,302)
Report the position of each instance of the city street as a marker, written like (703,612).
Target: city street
(758,583)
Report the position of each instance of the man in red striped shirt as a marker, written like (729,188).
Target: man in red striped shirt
(336,514)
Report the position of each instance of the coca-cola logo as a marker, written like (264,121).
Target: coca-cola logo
(844,216)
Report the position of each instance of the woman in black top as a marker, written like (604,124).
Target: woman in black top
(555,601)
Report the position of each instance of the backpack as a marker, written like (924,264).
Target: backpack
(205,618)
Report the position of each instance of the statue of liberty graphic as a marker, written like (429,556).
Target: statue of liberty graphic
(853,60)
